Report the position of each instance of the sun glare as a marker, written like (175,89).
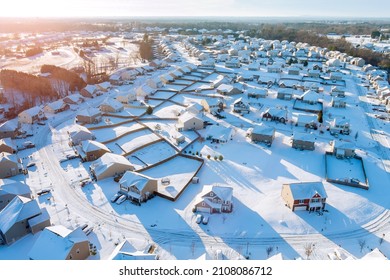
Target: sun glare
(27,8)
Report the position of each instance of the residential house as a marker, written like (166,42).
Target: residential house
(8,146)
(256,92)
(91,150)
(188,121)
(275,114)
(233,63)
(215,199)
(358,61)
(89,115)
(221,79)
(285,93)
(336,76)
(219,133)
(342,149)
(90,91)
(228,89)
(137,187)
(337,91)
(110,165)
(340,125)
(307,120)
(78,133)
(195,108)
(293,71)
(20,217)
(73,99)
(241,106)
(144,90)
(125,251)
(166,78)
(56,107)
(310,196)
(338,102)
(9,165)
(274,68)
(31,115)
(110,105)
(310,97)
(60,243)
(213,105)
(303,141)
(9,189)
(9,129)
(104,86)
(312,73)
(154,82)
(126,97)
(262,133)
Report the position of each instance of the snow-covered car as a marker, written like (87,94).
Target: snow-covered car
(205,220)
(115,197)
(199,218)
(121,199)
(43,191)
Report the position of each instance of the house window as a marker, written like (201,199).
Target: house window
(315,200)
(211,194)
(203,204)
(78,251)
(301,201)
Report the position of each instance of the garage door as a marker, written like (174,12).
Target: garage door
(203,209)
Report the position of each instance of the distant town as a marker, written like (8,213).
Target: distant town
(138,141)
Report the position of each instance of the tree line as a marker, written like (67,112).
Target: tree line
(74,81)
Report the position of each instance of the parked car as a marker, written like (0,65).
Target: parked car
(71,156)
(121,199)
(43,191)
(199,218)
(28,144)
(205,220)
(83,227)
(115,197)
(31,164)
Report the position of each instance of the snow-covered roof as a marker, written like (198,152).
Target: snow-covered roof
(310,96)
(56,105)
(55,243)
(4,157)
(112,103)
(90,146)
(76,128)
(131,178)
(263,130)
(223,192)
(338,144)
(276,112)
(106,161)
(8,142)
(13,187)
(10,125)
(303,137)
(89,112)
(187,116)
(126,251)
(306,190)
(219,132)
(375,254)
(225,88)
(307,118)
(20,208)
(34,111)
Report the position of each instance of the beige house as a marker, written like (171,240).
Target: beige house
(31,115)
(91,150)
(89,115)
(9,165)
(189,121)
(9,129)
(213,105)
(8,146)
(20,217)
(74,99)
(110,165)
(310,196)
(262,133)
(60,243)
(303,141)
(9,189)
(78,133)
(137,187)
(90,91)
(56,107)
(110,105)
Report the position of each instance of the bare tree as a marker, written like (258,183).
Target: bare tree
(362,244)
(309,248)
(269,250)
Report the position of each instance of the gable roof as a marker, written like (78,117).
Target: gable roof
(20,208)
(126,251)
(131,178)
(223,192)
(55,243)
(90,146)
(13,187)
(306,190)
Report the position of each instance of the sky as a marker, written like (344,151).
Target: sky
(240,8)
